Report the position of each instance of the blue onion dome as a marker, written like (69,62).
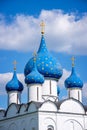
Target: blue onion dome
(73,81)
(34,76)
(58,90)
(46,64)
(14,84)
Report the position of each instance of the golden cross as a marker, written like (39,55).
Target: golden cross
(15,63)
(73,61)
(42,27)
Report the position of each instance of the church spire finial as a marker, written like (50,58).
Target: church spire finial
(73,61)
(42,27)
(14,63)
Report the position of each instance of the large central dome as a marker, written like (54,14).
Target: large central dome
(47,65)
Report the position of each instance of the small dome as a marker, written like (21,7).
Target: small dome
(34,76)
(46,64)
(73,81)
(14,84)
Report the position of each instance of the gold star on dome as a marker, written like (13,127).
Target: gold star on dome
(42,27)
(15,63)
(73,61)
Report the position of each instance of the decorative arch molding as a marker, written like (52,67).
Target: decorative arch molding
(47,105)
(32,107)
(72,106)
(12,110)
(22,109)
(72,124)
(50,127)
(12,126)
(49,124)
(23,125)
(33,124)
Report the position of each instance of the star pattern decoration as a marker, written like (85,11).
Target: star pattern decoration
(47,65)
(73,81)
(14,84)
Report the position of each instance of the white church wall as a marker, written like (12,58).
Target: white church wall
(2,113)
(20,122)
(33,125)
(48,106)
(22,109)
(14,97)
(47,119)
(76,93)
(70,121)
(13,126)
(85,122)
(49,90)
(12,110)
(49,87)
(35,93)
(32,108)
(72,106)
(61,121)
(45,87)
(3,127)
(23,125)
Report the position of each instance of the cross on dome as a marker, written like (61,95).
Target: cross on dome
(73,61)
(15,63)
(42,27)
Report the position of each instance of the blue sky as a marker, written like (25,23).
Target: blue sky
(65,34)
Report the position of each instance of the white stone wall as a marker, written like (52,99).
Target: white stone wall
(61,121)
(72,106)
(39,93)
(35,92)
(14,97)
(49,90)
(23,122)
(75,93)
(69,115)
(42,120)
(70,122)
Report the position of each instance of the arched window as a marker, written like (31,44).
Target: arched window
(50,127)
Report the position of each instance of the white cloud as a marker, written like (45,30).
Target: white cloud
(85,89)
(63,78)
(63,31)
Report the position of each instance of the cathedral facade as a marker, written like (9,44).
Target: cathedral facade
(44,110)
